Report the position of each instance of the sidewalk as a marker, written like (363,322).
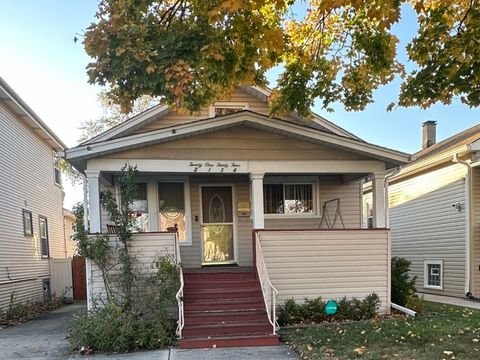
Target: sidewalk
(280,352)
(451,301)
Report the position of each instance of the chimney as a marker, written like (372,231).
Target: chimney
(429,135)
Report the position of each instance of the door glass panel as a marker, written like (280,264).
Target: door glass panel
(217,224)
(217,243)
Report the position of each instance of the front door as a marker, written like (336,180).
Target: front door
(218,231)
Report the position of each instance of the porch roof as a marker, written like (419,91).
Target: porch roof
(80,154)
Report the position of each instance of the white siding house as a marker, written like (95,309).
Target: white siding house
(31,230)
(247,191)
(434,214)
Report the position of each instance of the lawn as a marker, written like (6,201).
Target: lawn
(442,332)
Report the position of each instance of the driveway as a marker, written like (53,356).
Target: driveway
(45,338)
(42,338)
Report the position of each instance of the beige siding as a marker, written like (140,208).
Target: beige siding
(238,143)
(177,118)
(476,230)
(330,263)
(145,248)
(27,182)
(425,225)
(69,242)
(61,277)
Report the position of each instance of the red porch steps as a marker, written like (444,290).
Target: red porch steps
(224,308)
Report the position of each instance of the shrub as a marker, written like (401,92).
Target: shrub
(113,329)
(415,303)
(313,310)
(402,284)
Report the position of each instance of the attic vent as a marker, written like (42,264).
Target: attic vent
(225,108)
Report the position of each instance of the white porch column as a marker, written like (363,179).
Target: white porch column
(152,197)
(94,200)
(379,200)
(256,180)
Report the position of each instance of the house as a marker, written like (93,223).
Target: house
(32,239)
(434,204)
(247,192)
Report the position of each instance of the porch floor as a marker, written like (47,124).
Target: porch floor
(218,269)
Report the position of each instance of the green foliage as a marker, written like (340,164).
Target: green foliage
(111,328)
(192,52)
(415,303)
(22,311)
(402,284)
(312,310)
(146,324)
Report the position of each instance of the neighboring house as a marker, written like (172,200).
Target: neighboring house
(31,231)
(228,172)
(435,213)
(68,221)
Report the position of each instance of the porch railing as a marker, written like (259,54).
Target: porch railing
(268,290)
(179,295)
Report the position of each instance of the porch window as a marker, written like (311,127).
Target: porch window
(433,276)
(139,209)
(44,236)
(288,198)
(171,203)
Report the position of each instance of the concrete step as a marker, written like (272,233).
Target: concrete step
(229,341)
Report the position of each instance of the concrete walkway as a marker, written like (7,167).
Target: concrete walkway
(452,301)
(42,338)
(280,352)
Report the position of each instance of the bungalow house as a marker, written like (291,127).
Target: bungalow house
(32,242)
(434,204)
(267,209)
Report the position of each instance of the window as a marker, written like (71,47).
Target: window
(57,174)
(288,198)
(139,209)
(27,223)
(42,221)
(225,108)
(171,201)
(433,277)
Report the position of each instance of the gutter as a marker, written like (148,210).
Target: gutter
(405,310)
(468,220)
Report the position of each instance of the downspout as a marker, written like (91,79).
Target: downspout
(468,222)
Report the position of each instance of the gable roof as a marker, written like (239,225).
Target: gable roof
(465,137)
(80,154)
(14,102)
(148,116)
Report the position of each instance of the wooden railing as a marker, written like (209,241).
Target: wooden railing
(268,290)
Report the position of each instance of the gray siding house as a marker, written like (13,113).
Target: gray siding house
(32,241)
(434,213)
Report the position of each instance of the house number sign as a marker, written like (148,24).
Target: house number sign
(218,166)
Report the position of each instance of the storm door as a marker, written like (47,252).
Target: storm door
(218,231)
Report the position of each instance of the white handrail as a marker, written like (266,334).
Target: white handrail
(179,295)
(268,290)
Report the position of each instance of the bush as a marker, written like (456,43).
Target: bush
(415,303)
(402,284)
(313,310)
(114,330)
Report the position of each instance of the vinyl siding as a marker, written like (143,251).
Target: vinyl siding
(145,248)
(425,225)
(330,263)
(476,230)
(238,143)
(27,182)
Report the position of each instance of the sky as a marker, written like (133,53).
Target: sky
(41,62)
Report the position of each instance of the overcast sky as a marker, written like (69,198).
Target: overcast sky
(40,61)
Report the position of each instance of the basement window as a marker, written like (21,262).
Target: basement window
(433,274)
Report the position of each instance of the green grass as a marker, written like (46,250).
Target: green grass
(442,332)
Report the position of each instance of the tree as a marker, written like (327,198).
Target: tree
(191,52)
(112,115)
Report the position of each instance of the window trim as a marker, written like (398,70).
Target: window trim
(425,274)
(56,168)
(40,218)
(24,211)
(227,105)
(295,181)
